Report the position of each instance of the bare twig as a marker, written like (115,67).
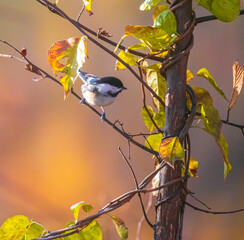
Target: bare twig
(11,56)
(139,225)
(81,11)
(137,187)
(198,200)
(213,212)
(114,204)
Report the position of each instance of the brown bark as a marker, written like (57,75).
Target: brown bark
(168,213)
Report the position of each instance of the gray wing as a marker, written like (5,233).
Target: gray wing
(88,78)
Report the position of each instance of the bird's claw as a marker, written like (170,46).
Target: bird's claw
(103,116)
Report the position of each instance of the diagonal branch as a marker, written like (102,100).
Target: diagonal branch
(114,204)
(124,134)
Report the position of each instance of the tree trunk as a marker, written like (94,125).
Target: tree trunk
(168,213)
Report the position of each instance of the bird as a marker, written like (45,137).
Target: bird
(99,91)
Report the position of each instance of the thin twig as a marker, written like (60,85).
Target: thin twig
(139,225)
(213,212)
(198,200)
(241,127)
(81,11)
(137,187)
(11,56)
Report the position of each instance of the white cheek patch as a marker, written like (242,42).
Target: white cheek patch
(104,88)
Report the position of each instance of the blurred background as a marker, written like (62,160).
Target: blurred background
(55,153)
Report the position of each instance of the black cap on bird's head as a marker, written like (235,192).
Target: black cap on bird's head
(113,81)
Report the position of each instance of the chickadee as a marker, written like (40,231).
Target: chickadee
(100,91)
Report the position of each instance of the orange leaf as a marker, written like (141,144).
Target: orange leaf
(75,49)
(238,74)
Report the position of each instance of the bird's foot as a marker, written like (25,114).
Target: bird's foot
(103,116)
(83,100)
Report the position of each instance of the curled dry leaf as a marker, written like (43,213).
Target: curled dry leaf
(31,68)
(238,74)
(104,33)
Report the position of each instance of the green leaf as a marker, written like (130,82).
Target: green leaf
(171,150)
(153,141)
(121,228)
(127,57)
(211,120)
(15,228)
(76,208)
(159,118)
(224,149)
(224,10)
(166,21)
(157,83)
(34,231)
(155,39)
(148,4)
(203,72)
(91,232)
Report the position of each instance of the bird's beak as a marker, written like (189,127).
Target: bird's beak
(124,88)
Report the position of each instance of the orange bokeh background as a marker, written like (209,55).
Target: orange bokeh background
(55,153)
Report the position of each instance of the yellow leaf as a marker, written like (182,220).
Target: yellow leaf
(171,150)
(159,9)
(193,167)
(88,6)
(238,74)
(225,151)
(75,49)
(157,83)
(121,228)
(127,57)
(154,38)
(211,120)
(189,76)
(148,4)
(202,96)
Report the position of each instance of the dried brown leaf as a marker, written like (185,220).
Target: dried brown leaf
(104,33)
(238,74)
(33,69)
